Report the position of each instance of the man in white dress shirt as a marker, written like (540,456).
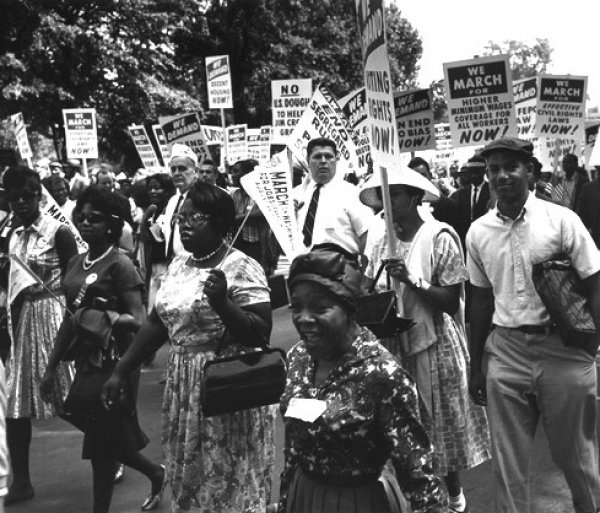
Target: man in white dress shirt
(328,207)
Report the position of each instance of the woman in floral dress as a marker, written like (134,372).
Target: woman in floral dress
(429,275)
(222,463)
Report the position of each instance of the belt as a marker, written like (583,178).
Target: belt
(341,480)
(533,329)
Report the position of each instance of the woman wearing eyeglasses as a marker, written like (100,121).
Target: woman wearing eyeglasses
(46,247)
(104,292)
(212,301)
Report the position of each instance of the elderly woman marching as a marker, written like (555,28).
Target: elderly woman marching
(348,406)
(429,275)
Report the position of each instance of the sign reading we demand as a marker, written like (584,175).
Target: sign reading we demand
(480,100)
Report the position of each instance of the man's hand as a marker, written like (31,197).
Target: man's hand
(477,388)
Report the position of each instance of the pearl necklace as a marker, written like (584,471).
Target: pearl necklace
(87,264)
(206,257)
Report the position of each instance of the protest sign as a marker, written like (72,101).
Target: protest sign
(237,143)
(49,206)
(591,137)
(213,135)
(144,147)
(161,140)
(561,107)
(354,107)
(270,186)
(253,135)
(321,119)
(443,137)
(186,129)
(290,98)
(525,95)
(414,119)
(550,151)
(265,143)
(218,82)
(20,131)
(480,100)
(80,133)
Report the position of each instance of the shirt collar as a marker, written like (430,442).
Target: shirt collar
(524,214)
(33,227)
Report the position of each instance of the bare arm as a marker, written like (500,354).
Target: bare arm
(592,287)
(66,247)
(481,311)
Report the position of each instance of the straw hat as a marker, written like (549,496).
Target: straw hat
(404,176)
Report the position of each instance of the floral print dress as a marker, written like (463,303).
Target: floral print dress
(223,463)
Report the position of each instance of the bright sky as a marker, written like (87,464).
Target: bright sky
(453,30)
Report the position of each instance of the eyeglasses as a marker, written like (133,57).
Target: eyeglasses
(90,217)
(15,195)
(193,220)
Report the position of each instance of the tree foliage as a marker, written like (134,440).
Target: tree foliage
(526,60)
(134,60)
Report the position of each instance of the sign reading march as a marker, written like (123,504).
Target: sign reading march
(525,95)
(414,117)
(186,129)
(143,145)
(218,82)
(80,133)
(480,100)
(561,107)
(290,98)
(378,83)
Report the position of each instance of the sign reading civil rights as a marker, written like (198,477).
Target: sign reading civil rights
(218,82)
(21,135)
(80,133)
(290,98)
(324,118)
(561,107)
(237,143)
(525,95)
(354,107)
(161,140)
(414,118)
(186,129)
(144,147)
(480,100)
(378,83)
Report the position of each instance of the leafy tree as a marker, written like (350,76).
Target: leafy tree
(526,60)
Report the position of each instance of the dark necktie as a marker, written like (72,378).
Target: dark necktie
(309,222)
(473,202)
(173,224)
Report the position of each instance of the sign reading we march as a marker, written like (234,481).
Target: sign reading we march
(218,82)
(80,133)
(480,100)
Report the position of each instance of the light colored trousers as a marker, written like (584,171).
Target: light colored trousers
(532,378)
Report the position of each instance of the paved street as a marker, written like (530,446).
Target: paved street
(63,481)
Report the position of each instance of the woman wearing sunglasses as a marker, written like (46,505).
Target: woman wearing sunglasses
(104,292)
(45,246)
(221,463)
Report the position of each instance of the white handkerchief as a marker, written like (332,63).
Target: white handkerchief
(307,410)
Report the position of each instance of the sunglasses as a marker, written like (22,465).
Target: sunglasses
(193,220)
(90,217)
(14,196)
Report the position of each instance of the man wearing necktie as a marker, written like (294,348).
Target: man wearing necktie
(328,207)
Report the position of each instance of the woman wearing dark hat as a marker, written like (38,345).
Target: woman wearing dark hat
(348,405)
(104,291)
(429,274)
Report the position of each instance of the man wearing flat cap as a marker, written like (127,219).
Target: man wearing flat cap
(522,368)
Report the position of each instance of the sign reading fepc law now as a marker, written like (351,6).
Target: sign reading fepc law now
(218,82)
(480,100)
(80,133)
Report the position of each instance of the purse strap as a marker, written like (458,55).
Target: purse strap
(376,279)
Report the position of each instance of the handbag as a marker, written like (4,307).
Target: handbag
(243,381)
(377,311)
(562,293)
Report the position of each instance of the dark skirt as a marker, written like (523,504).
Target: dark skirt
(383,495)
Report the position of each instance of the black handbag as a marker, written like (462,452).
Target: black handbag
(243,381)
(377,311)
(561,291)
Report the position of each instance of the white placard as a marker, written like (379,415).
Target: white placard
(414,118)
(21,135)
(237,143)
(218,82)
(144,147)
(162,143)
(253,136)
(81,133)
(290,98)
(186,129)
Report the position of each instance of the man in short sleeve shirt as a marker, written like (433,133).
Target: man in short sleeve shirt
(522,368)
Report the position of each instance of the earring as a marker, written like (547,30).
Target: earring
(109,231)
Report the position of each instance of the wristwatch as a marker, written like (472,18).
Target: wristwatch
(421,284)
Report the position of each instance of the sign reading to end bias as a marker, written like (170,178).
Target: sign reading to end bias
(414,117)
(290,98)
(561,107)
(80,133)
(480,100)
(218,82)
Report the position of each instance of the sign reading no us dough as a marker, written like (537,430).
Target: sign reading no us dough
(480,100)
(378,83)
(218,82)
(81,133)
(290,98)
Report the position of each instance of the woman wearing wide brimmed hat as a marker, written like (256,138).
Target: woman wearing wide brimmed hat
(428,272)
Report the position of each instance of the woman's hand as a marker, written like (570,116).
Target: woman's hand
(397,269)
(112,390)
(47,385)
(215,288)
(127,322)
